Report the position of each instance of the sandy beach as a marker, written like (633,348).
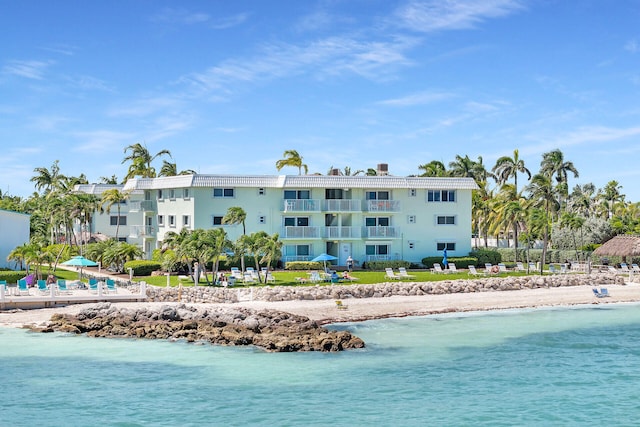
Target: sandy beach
(326,311)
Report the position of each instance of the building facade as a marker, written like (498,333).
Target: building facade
(366,217)
(14,232)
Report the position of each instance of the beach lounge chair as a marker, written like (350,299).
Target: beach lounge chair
(635,268)
(520,267)
(62,287)
(603,292)
(473,271)
(389,274)
(42,287)
(612,269)
(314,277)
(491,269)
(3,285)
(624,268)
(23,288)
(502,268)
(451,268)
(437,268)
(340,305)
(402,272)
(111,286)
(93,286)
(248,277)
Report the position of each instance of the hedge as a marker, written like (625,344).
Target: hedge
(12,276)
(460,262)
(142,267)
(381,265)
(304,265)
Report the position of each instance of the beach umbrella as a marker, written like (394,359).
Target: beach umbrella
(324,258)
(444,258)
(80,261)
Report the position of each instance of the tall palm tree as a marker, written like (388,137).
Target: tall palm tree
(112,197)
(271,249)
(553,165)
(543,195)
(507,167)
(48,179)
(611,194)
(237,215)
(573,222)
(292,158)
(141,160)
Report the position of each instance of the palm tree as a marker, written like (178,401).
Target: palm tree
(543,195)
(141,159)
(292,158)
(237,215)
(611,194)
(18,254)
(109,180)
(112,197)
(553,165)
(271,248)
(507,167)
(433,168)
(171,169)
(573,222)
(46,179)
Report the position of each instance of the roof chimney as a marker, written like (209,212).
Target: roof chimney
(383,169)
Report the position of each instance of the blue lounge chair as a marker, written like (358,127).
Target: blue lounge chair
(93,286)
(111,286)
(62,287)
(42,286)
(603,292)
(23,288)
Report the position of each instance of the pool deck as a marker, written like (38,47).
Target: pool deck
(10,300)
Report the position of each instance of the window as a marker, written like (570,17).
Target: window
(223,192)
(297,194)
(261,192)
(217,220)
(160,220)
(172,194)
(186,220)
(297,250)
(376,221)
(412,245)
(446,220)
(333,194)
(441,246)
(377,195)
(113,220)
(172,220)
(262,219)
(411,219)
(292,221)
(412,192)
(185,193)
(377,249)
(160,196)
(441,196)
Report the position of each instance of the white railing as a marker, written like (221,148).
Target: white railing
(382,232)
(383,205)
(141,205)
(342,205)
(301,205)
(300,232)
(342,232)
(136,231)
(378,258)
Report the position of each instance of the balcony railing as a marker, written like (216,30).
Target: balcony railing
(301,205)
(383,205)
(290,258)
(142,205)
(136,231)
(342,205)
(381,232)
(342,232)
(378,257)
(293,232)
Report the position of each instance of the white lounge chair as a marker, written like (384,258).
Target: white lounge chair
(624,268)
(437,268)
(402,272)
(389,274)
(502,268)
(520,267)
(474,272)
(635,268)
(452,268)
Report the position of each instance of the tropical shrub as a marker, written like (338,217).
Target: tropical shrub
(485,256)
(142,267)
(304,265)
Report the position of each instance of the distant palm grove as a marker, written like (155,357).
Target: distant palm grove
(515,206)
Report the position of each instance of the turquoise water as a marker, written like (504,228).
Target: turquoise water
(578,366)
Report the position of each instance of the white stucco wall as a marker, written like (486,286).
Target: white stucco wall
(14,231)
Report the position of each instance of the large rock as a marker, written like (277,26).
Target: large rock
(269,329)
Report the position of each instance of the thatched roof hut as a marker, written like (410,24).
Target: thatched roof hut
(622,245)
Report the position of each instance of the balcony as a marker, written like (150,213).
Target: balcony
(383,205)
(342,233)
(301,205)
(142,205)
(378,258)
(145,231)
(300,232)
(381,232)
(342,205)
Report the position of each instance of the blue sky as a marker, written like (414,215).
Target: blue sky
(228,86)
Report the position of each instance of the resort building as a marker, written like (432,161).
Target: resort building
(14,232)
(365,217)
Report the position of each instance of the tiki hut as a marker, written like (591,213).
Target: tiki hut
(623,246)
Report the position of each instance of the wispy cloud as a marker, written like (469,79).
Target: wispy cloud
(88,83)
(632,46)
(325,57)
(99,141)
(180,16)
(437,15)
(229,21)
(28,69)
(420,98)
(62,49)
(145,106)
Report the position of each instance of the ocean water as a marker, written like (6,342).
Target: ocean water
(567,367)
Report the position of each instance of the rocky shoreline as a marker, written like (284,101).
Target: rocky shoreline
(271,330)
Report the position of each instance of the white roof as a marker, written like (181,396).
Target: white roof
(300,181)
(98,189)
